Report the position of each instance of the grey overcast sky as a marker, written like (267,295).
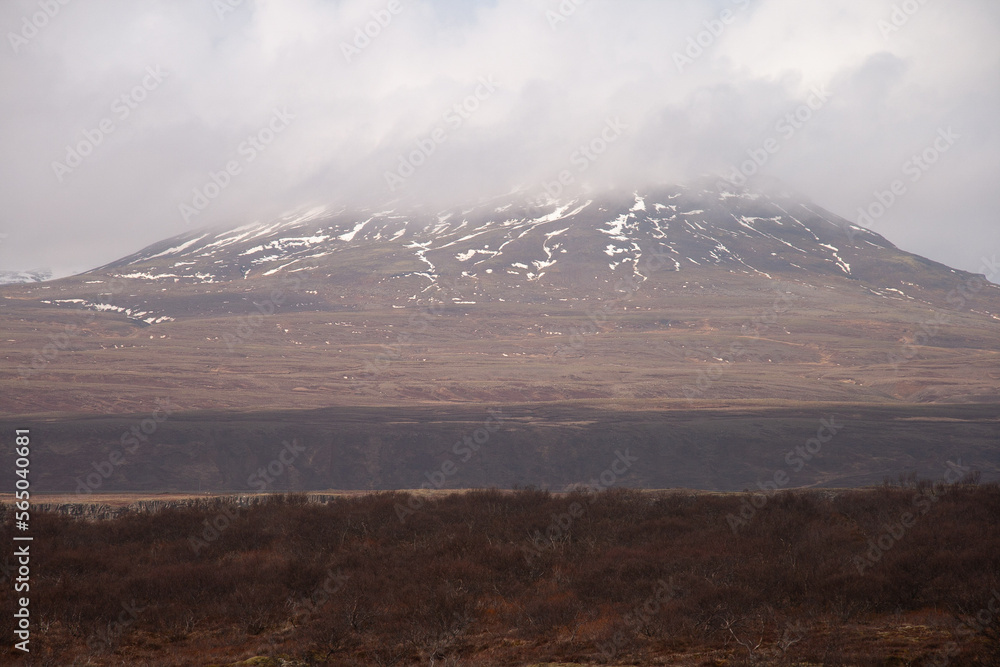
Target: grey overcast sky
(114,112)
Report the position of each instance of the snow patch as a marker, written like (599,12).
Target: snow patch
(349,236)
(181,248)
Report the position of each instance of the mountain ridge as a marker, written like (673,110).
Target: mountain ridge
(22,277)
(522,245)
(675,293)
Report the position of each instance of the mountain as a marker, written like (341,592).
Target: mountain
(517,250)
(19,277)
(673,318)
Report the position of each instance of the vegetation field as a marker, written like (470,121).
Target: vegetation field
(905,574)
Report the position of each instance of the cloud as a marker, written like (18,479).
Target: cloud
(562,70)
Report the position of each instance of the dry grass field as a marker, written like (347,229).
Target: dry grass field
(899,575)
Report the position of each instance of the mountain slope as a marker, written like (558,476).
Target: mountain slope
(690,324)
(673,293)
(510,250)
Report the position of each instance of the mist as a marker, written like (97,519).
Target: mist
(128,122)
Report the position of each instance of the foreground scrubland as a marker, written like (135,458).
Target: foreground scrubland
(905,574)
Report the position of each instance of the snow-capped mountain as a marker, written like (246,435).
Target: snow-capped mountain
(642,290)
(512,250)
(21,277)
(516,242)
